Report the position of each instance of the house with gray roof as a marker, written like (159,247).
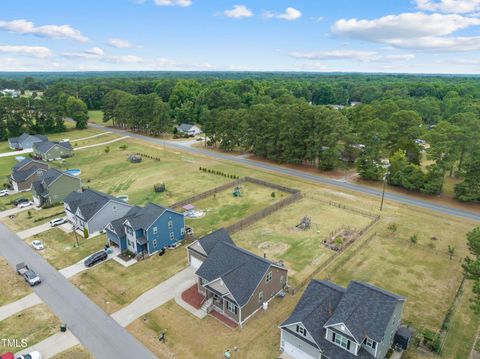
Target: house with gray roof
(49,151)
(53,187)
(25,141)
(235,282)
(201,248)
(147,230)
(25,172)
(332,322)
(189,129)
(93,210)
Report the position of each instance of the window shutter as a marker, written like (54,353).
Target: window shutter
(333,337)
(374,345)
(348,344)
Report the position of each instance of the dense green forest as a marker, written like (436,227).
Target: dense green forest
(285,117)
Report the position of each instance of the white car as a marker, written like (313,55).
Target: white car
(57,221)
(31,355)
(25,204)
(38,245)
(4,192)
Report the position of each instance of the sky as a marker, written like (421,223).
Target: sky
(393,36)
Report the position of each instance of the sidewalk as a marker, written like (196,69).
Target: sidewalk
(155,297)
(12,308)
(11,211)
(53,345)
(35,230)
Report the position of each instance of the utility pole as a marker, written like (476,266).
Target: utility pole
(383,192)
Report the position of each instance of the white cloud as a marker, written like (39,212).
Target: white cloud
(449,6)
(363,56)
(181,3)
(25,27)
(290,14)
(419,31)
(238,12)
(121,44)
(95,51)
(32,51)
(97,54)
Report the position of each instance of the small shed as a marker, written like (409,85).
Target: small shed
(402,338)
(188,207)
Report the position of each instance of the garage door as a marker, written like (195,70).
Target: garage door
(295,352)
(195,262)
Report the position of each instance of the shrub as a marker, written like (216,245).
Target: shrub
(392,227)
(123,147)
(85,233)
(29,214)
(273,195)
(107,149)
(414,238)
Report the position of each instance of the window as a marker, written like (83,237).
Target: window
(129,230)
(114,208)
(232,307)
(182,231)
(154,243)
(341,340)
(301,330)
(155,230)
(269,277)
(370,343)
(172,236)
(170,224)
(260,296)
(281,279)
(203,281)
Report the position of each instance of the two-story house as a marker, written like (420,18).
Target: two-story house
(25,141)
(49,151)
(93,210)
(53,187)
(331,322)
(25,172)
(146,230)
(234,282)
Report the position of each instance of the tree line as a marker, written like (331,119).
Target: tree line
(409,130)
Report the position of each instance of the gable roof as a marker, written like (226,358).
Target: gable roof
(209,241)
(365,310)
(144,217)
(323,301)
(89,202)
(117,224)
(46,146)
(25,136)
(41,185)
(185,127)
(20,175)
(240,270)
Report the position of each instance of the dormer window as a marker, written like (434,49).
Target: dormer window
(301,330)
(341,341)
(370,343)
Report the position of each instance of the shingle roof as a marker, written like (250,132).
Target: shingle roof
(24,136)
(46,146)
(209,241)
(184,127)
(365,310)
(240,270)
(41,185)
(89,201)
(20,175)
(322,301)
(143,218)
(118,223)
(22,163)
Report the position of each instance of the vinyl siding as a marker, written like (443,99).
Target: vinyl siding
(56,152)
(106,215)
(269,290)
(162,236)
(310,349)
(392,328)
(62,187)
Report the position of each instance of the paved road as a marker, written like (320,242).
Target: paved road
(97,332)
(404,199)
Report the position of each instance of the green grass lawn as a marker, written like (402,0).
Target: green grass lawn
(459,340)
(61,250)
(77,352)
(95,116)
(34,325)
(224,209)
(301,251)
(17,288)
(32,217)
(112,286)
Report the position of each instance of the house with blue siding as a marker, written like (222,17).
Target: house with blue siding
(146,230)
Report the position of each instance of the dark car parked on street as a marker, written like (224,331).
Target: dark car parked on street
(19,200)
(95,258)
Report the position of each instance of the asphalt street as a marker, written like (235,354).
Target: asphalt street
(399,198)
(102,336)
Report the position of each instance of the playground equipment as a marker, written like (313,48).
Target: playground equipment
(304,224)
(135,158)
(237,192)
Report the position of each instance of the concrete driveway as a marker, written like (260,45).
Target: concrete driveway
(11,211)
(35,230)
(15,153)
(78,267)
(154,298)
(53,345)
(98,332)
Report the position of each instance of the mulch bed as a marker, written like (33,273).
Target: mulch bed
(224,319)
